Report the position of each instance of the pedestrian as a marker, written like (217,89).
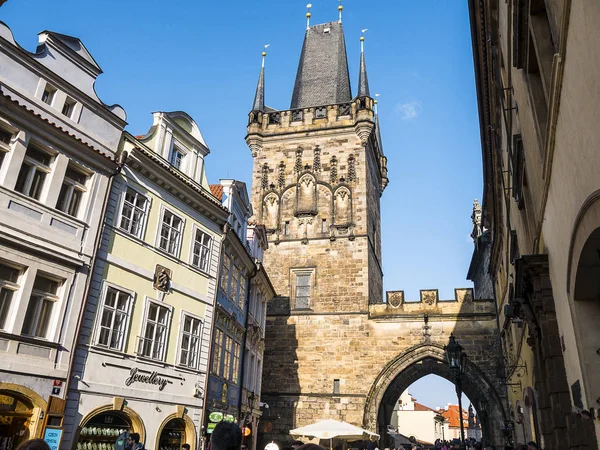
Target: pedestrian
(133,442)
(532,446)
(226,436)
(34,444)
(185,447)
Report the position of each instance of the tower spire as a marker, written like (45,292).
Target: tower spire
(363,80)
(340,9)
(259,97)
(308,15)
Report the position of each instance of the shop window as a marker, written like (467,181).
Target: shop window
(225,267)
(217,349)
(114,319)
(201,250)
(72,190)
(191,339)
(172,436)
(43,298)
(9,277)
(102,430)
(133,212)
(16,414)
(152,343)
(170,233)
(32,174)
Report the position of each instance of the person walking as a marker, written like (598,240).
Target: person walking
(133,442)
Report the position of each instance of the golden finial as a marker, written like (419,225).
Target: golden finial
(264,54)
(362,39)
(340,9)
(308,16)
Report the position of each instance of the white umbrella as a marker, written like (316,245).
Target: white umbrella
(329,429)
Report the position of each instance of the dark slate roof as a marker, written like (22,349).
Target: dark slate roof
(322,77)
(259,97)
(363,80)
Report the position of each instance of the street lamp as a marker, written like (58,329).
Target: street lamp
(456,359)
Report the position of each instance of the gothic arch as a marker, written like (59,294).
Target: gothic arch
(36,423)
(136,420)
(271,208)
(306,194)
(425,359)
(342,206)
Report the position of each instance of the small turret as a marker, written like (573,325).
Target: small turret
(363,80)
(259,97)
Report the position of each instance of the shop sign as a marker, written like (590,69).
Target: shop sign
(246,431)
(229,418)
(215,416)
(153,378)
(52,437)
(272,446)
(210,427)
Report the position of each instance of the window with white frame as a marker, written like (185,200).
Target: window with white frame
(236,362)
(9,278)
(44,297)
(225,267)
(114,319)
(302,287)
(176,157)
(191,338)
(153,342)
(201,250)
(5,138)
(32,174)
(217,348)
(170,232)
(72,190)
(133,212)
(235,281)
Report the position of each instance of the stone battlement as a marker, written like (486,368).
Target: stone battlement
(464,302)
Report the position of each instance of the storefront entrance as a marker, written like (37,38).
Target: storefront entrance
(173,435)
(15,418)
(101,431)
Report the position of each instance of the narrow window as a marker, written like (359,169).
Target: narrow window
(69,107)
(225,267)
(191,338)
(227,358)
(242,294)
(9,276)
(170,232)
(113,319)
(235,282)
(201,251)
(153,341)
(72,190)
(5,138)
(518,171)
(217,349)
(133,212)
(336,386)
(303,285)
(40,308)
(286,228)
(32,174)
(324,226)
(236,362)
(48,94)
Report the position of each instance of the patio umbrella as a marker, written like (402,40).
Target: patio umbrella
(329,429)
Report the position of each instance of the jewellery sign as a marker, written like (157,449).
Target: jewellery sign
(152,378)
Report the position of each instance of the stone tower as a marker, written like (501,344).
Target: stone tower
(319,173)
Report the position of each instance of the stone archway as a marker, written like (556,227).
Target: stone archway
(190,430)
(425,359)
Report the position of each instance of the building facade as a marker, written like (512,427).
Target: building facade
(58,142)
(238,337)
(535,65)
(411,418)
(142,356)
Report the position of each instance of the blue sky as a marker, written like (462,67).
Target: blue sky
(204,57)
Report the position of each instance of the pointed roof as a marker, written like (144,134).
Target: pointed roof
(363,80)
(259,97)
(322,77)
(74,45)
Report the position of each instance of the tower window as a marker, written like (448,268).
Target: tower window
(302,284)
(336,386)
(324,226)
(286,228)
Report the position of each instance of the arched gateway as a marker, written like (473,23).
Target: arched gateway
(333,347)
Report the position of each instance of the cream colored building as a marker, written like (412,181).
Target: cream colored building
(143,350)
(536,65)
(57,155)
(411,418)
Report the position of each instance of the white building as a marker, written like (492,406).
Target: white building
(57,146)
(414,419)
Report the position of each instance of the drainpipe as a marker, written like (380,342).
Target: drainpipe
(120,164)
